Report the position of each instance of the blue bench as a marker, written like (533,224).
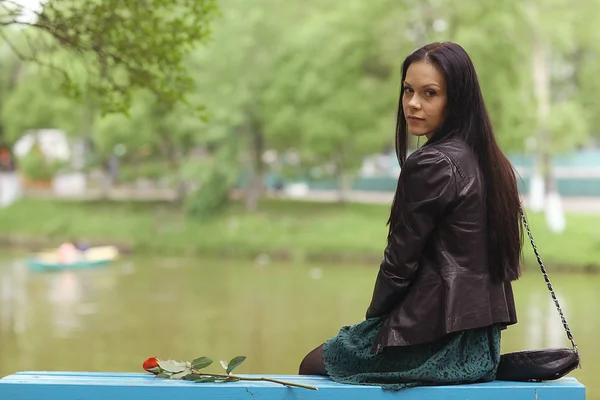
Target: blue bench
(130,386)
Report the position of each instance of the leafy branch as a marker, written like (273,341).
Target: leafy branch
(124,46)
(191,371)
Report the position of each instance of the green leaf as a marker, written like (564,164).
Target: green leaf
(163,375)
(206,379)
(172,366)
(234,363)
(181,374)
(191,377)
(224,364)
(201,362)
(228,379)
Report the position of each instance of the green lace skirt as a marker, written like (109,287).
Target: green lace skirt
(463,357)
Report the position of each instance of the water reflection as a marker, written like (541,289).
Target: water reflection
(544,326)
(13,297)
(5,302)
(65,292)
(111,319)
(69,295)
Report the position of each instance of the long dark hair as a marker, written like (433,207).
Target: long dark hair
(467,118)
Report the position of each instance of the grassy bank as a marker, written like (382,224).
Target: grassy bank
(291,230)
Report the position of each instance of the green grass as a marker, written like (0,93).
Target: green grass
(283,229)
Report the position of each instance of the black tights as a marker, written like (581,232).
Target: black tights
(313,363)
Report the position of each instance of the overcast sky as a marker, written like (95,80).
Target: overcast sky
(30,5)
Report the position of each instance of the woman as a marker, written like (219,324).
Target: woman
(443,291)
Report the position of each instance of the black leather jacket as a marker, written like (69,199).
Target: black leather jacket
(434,277)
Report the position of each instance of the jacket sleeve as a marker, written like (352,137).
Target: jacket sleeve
(428,185)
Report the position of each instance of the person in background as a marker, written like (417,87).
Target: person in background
(67,253)
(7,162)
(82,244)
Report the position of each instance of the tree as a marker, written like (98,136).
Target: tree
(114,47)
(234,75)
(561,123)
(154,132)
(583,58)
(492,33)
(10,71)
(335,102)
(35,101)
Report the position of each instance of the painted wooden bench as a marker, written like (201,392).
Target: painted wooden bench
(135,386)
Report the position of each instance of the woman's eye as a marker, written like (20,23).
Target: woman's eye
(407,90)
(430,93)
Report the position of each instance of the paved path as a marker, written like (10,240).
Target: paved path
(571,204)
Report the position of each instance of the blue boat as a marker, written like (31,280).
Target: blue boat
(41,265)
(91,258)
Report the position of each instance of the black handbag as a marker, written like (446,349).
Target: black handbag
(542,364)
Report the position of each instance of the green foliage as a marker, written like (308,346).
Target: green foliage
(286,230)
(568,126)
(36,167)
(201,362)
(568,46)
(172,367)
(186,371)
(334,101)
(190,371)
(233,363)
(311,77)
(150,128)
(36,102)
(216,179)
(151,169)
(200,378)
(233,76)
(493,34)
(121,46)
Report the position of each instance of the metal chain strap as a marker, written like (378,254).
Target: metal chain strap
(548,284)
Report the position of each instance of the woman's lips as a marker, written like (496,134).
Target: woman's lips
(414,119)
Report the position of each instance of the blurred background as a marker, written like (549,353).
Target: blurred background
(213,178)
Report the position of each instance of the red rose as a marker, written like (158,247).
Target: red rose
(151,365)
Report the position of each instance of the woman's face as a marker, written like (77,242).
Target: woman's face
(424,99)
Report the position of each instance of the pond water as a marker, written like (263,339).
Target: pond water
(113,318)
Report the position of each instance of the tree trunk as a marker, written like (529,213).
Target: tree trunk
(106,184)
(344,185)
(255,186)
(110,176)
(555,218)
(343,179)
(541,87)
(537,187)
(174,164)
